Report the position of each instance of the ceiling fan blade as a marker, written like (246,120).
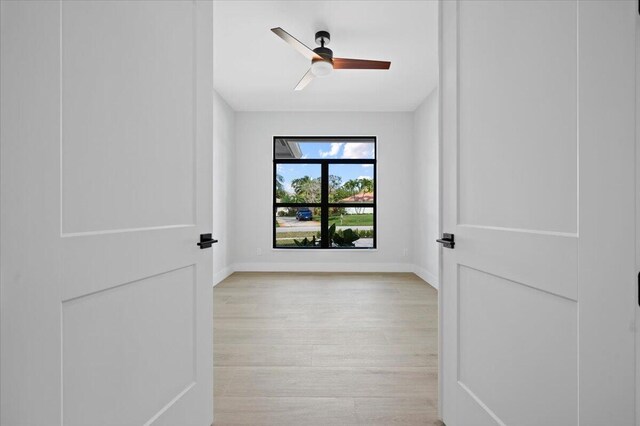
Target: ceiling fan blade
(359,64)
(295,43)
(306,79)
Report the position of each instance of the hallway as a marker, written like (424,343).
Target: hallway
(325,349)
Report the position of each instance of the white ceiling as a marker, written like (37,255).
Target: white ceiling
(254,70)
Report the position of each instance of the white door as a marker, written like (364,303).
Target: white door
(538,294)
(106,186)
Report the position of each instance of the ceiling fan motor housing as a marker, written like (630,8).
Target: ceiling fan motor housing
(323,38)
(324,52)
(323,65)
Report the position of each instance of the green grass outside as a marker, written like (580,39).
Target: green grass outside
(285,239)
(289,243)
(352,220)
(297,235)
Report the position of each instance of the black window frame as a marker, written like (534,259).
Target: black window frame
(324,203)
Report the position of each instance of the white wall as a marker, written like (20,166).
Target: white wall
(223,157)
(252,226)
(426,154)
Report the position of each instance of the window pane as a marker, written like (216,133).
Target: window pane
(291,148)
(295,224)
(351,227)
(351,183)
(298,183)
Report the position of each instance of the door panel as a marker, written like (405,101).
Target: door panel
(537,136)
(134,342)
(515,340)
(106,299)
(472,410)
(521,55)
(128,116)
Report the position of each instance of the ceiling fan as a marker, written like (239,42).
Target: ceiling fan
(322,60)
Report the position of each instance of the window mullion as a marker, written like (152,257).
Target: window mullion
(324,201)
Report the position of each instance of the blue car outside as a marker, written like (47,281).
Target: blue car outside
(304,214)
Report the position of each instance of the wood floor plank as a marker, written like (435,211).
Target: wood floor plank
(231,411)
(397,411)
(375,356)
(283,295)
(249,355)
(418,289)
(300,336)
(338,322)
(417,335)
(368,313)
(219,300)
(305,298)
(246,312)
(332,382)
(221,378)
(318,285)
(278,309)
(386,309)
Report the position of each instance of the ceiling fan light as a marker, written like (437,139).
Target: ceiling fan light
(321,68)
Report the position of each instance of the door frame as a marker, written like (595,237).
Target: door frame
(440,207)
(637,230)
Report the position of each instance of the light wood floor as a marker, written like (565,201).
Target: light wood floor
(325,349)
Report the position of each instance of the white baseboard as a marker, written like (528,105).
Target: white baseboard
(222,274)
(323,267)
(427,276)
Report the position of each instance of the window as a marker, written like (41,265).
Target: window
(324,192)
